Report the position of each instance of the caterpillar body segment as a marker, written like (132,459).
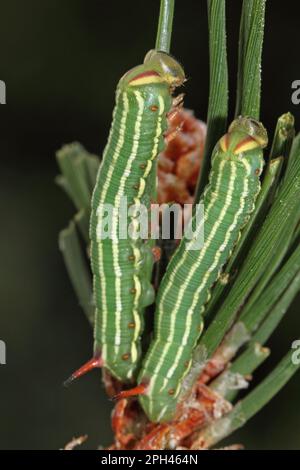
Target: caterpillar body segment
(229,198)
(122,267)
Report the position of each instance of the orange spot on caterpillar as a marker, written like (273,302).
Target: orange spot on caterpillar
(257,171)
(154,108)
(171,391)
(125,356)
(131,325)
(133,290)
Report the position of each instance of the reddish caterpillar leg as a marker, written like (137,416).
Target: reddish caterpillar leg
(95,362)
(172,116)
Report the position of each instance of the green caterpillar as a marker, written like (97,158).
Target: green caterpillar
(229,198)
(122,267)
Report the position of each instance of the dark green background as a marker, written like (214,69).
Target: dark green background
(61,60)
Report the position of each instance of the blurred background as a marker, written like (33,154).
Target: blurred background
(61,62)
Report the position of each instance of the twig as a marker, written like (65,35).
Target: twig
(76,441)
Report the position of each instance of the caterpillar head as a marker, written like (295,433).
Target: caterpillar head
(158,68)
(244,134)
